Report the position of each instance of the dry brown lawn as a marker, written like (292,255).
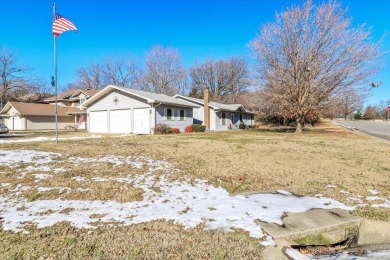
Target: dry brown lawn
(241,161)
(257,160)
(153,240)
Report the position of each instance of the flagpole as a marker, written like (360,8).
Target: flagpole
(55,74)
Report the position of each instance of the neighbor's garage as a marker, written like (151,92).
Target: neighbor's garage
(98,121)
(120,121)
(14,123)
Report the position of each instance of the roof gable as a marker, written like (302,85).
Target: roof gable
(87,92)
(73,93)
(149,97)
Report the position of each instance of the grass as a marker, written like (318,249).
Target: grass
(239,161)
(373,213)
(153,240)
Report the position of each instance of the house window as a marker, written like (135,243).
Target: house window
(169,114)
(82,100)
(182,115)
(241,118)
(223,119)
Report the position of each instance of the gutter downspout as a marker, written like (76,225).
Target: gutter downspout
(154,114)
(206,100)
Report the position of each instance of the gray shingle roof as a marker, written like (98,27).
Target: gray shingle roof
(227,107)
(151,97)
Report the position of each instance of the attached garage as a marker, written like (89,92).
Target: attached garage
(124,110)
(141,121)
(98,122)
(120,121)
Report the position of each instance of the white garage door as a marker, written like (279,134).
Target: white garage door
(14,123)
(141,121)
(120,121)
(98,122)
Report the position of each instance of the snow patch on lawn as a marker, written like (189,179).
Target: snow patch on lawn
(13,158)
(46,139)
(373,192)
(42,176)
(185,201)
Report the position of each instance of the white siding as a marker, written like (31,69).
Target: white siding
(198,115)
(218,121)
(141,121)
(125,101)
(175,122)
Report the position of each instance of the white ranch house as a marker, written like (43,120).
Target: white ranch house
(124,110)
(222,116)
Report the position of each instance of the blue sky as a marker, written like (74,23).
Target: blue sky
(199,29)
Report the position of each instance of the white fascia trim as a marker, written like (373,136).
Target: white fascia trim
(129,91)
(6,108)
(107,90)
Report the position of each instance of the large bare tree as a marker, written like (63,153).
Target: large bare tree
(311,54)
(16,79)
(226,79)
(164,71)
(119,71)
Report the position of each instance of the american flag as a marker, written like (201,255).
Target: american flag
(61,24)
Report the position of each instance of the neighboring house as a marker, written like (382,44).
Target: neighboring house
(124,110)
(34,116)
(222,116)
(73,100)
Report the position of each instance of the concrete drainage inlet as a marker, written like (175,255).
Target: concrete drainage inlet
(334,233)
(326,249)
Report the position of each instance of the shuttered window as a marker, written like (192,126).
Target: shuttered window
(182,115)
(168,114)
(223,119)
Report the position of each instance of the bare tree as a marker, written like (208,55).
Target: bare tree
(349,101)
(311,54)
(226,79)
(382,108)
(16,79)
(90,77)
(119,71)
(164,72)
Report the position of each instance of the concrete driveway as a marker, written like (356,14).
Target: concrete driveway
(377,128)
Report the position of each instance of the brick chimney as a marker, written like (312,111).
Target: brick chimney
(206,96)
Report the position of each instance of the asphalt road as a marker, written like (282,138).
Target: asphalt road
(379,129)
